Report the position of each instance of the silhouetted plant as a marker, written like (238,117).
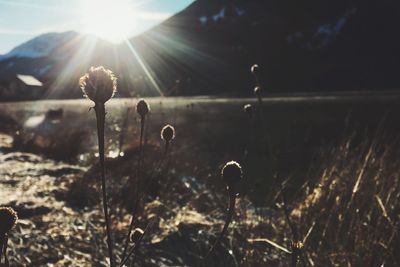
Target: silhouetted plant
(142,108)
(258,89)
(296,245)
(8,219)
(167,134)
(248,109)
(99,85)
(122,133)
(136,238)
(255,70)
(231,174)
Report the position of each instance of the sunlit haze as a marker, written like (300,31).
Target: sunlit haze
(112,20)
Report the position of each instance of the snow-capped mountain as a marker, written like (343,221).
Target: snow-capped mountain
(209,47)
(40,46)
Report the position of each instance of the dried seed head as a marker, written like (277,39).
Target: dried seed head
(255,69)
(168,133)
(258,91)
(142,107)
(99,84)
(248,108)
(231,173)
(8,218)
(136,235)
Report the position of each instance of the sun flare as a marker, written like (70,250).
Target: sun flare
(111,20)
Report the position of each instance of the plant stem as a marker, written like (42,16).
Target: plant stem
(166,148)
(100,116)
(296,251)
(231,211)
(137,199)
(135,247)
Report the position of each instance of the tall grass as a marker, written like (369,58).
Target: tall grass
(351,215)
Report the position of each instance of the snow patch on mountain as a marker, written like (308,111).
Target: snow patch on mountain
(323,35)
(224,12)
(40,46)
(203,20)
(219,15)
(239,11)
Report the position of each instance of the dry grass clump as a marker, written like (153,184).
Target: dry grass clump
(352,215)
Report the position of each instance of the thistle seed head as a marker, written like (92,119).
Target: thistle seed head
(99,84)
(136,235)
(168,133)
(257,91)
(142,107)
(8,218)
(232,173)
(255,69)
(248,108)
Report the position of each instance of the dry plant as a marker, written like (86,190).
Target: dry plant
(142,108)
(99,85)
(167,134)
(231,174)
(258,89)
(353,210)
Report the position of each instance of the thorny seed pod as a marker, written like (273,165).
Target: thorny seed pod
(255,69)
(136,235)
(8,218)
(248,108)
(99,84)
(231,174)
(142,107)
(257,91)
(168,133)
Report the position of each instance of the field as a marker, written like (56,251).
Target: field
(329,162)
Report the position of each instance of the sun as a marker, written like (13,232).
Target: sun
(112,20)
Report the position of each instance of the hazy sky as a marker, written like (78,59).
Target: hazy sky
(20,20)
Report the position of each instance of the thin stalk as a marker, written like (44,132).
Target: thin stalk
(166,148)
(137,192)
(296,251)
(6,262)
(100,116)
(2,238)
(134,248)
(230,213)
(122,134)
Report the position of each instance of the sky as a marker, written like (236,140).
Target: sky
(112,20)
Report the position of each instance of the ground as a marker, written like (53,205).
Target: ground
(49,173)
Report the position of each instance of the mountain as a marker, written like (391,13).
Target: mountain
(313,45)
(40,46)
(208,48)
(57,59)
